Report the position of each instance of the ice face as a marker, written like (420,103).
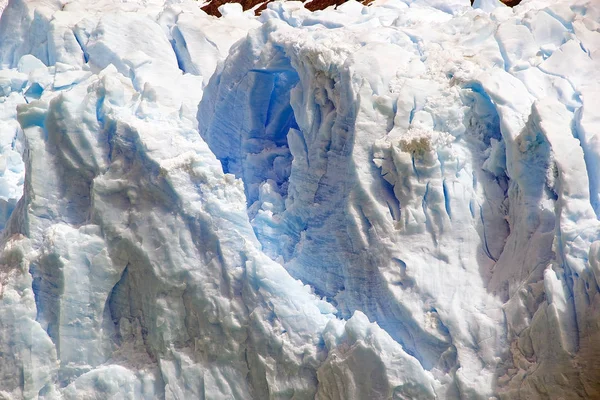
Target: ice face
(393,201)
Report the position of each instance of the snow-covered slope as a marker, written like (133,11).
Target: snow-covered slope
(395,201)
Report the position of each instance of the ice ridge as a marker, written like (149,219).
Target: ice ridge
(393,201)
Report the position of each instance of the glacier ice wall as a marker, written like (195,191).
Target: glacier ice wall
(393,201)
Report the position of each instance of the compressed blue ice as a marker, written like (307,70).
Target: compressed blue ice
(392,201)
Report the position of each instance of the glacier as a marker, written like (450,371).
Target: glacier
(392,201)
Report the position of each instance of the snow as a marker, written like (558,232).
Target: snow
(392,201)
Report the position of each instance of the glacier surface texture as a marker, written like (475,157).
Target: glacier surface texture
(393,201)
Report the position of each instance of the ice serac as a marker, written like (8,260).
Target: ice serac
(397,201)
(361,195)
(441,181)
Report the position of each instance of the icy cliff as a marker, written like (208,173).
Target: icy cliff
(397,201)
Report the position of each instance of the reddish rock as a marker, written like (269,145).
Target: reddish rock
(212,7)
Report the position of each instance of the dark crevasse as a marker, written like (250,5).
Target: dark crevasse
(245,118)
(252,142)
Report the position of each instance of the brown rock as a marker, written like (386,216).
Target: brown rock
(212,7)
